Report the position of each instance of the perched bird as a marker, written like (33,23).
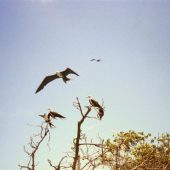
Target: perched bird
(51,115)
(62,74)
(55,114)
(47,119)
(97,60)
(93,102)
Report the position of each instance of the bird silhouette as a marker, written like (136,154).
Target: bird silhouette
(97,60)
(62,74)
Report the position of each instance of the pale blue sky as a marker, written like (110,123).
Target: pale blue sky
(39,37)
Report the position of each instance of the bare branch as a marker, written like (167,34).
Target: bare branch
(57,167)
(34,146)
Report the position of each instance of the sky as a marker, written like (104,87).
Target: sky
(40,37)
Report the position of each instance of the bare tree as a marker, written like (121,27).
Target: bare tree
(34,144)
(82,150)
(57,167)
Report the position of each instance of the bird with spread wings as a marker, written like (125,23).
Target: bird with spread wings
(97,60)
(51,115)
(62,74)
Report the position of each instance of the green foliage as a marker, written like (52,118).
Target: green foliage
(137,150)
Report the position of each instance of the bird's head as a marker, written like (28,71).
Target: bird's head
(89,97)
(49,109)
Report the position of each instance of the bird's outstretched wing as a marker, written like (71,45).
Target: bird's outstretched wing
(46,81)
(68,71)
(55,114)
(93,59)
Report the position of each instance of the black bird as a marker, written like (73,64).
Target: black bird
(97,60)
(62,74)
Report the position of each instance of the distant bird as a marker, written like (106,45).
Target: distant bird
(62,74)
(93,102)
(47,119)
(97,60)
(55,114)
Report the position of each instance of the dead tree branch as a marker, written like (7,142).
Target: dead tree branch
(78,138)
(57,167)
(34,145)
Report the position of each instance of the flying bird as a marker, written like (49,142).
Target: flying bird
(62,74)
(97,60)
(55,114)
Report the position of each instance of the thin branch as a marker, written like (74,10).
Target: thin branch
(44,131)
(76,157)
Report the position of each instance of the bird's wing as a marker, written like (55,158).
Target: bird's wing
(95,103)
(92,59)
(55,114)
(68,71)
(46,81)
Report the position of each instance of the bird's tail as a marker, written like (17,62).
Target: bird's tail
(65,79)
(101,113)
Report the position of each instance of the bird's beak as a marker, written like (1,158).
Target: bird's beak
(40,115)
